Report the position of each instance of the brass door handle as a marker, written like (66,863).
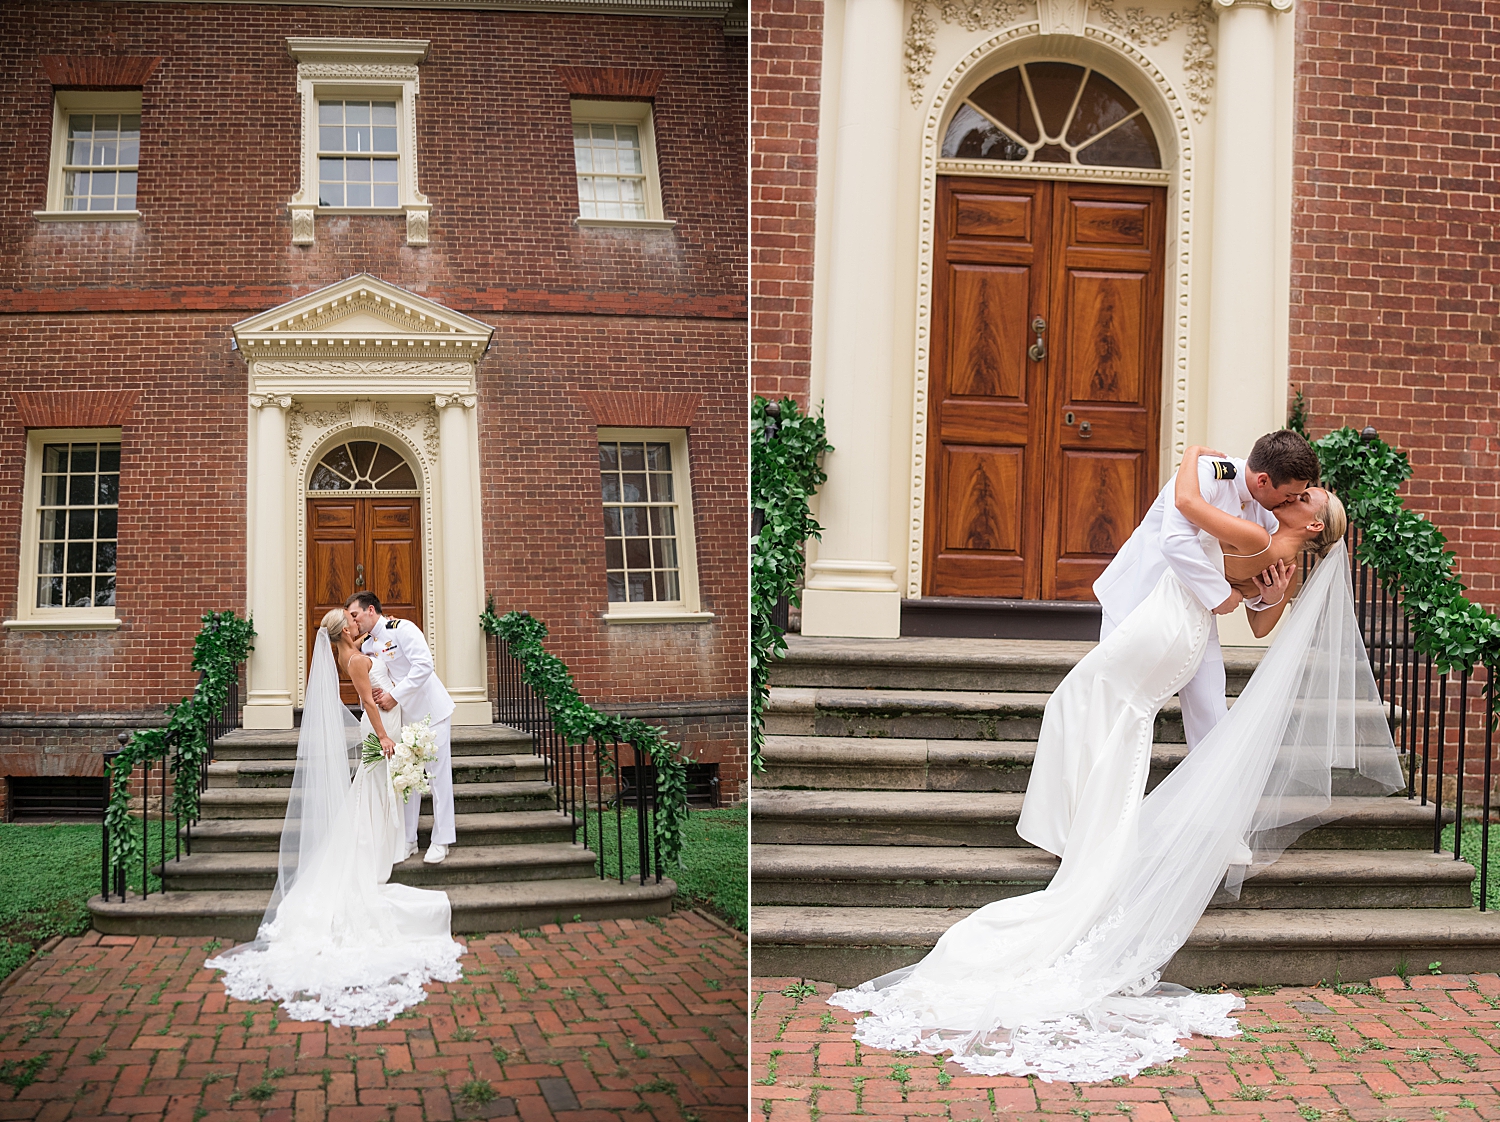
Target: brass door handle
(359,576)
(1085,430)
(1038,350)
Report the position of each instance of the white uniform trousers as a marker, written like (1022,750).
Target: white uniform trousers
(440,772)
(1203,704)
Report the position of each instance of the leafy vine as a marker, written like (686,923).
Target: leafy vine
(577,722)
(786,447)
(223,643)
(1407,551)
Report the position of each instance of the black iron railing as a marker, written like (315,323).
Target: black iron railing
(1424,728)
(113,876)
(595,783)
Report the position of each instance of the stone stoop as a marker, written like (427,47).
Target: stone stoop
(515,863)
(895,771)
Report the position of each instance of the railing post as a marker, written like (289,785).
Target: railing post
(1484,822)
(1426,726)
(1458,791)
(1437,813)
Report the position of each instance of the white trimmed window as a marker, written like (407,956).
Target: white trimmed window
(70,531)
(614,158)
(650,559)
(96,146)
(359,125)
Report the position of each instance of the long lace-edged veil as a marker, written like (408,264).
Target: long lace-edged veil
(1090,1007)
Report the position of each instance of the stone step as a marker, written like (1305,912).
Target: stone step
(924,714)
(281,744)
(468,798)
(969,877)
(1233,947)
(476,907)
(509,768)
(1004,665)
(260,835)
(877,763)
(212,872)
(988,818)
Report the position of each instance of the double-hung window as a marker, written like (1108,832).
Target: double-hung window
(96,148)
(614,160)
(650,563)
(359,145)
(70,533)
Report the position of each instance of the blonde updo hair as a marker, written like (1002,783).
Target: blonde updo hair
(334,623)
(1335,523)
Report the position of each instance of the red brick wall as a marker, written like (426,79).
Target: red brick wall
(1393,236)
(145,308)
(785,84)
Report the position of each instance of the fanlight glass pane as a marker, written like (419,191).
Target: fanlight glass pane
(362,465)
(1085,119)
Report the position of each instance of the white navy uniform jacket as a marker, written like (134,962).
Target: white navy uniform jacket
(403,648)
(1165,539)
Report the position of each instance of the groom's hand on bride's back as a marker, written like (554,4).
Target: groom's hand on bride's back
(383,699)
(1223,609)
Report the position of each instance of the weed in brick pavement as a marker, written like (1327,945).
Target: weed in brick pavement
(476,1091)
(769,1079)
(1310,1113)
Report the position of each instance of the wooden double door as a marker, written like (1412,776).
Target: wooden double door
(364,544)
(1046,383)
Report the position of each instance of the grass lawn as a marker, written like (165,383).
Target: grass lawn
(47,873)
(1472,839)
(715,857)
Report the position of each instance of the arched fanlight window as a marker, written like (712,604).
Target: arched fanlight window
(1052,113)
(362,465)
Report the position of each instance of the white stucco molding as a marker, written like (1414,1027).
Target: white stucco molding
(1171,120)
(377,68)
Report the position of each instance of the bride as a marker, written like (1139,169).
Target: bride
(338,942)
(1065,983)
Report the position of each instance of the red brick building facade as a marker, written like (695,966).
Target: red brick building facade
(127,325)
(1388,296)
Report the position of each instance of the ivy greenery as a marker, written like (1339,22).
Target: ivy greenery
(222,644)
(786,450)
(578,723)
(1406,551)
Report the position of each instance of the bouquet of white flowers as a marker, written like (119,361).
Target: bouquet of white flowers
(415,749)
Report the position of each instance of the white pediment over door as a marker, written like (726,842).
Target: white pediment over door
(361,336)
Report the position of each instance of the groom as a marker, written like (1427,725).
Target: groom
(1279,468)
(403,648)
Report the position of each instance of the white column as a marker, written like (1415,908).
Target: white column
(851,587)
(270,701)
(461,654)
(1242,380)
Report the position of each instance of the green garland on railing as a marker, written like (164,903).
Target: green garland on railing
(222,644)
(577,722)
(1407,551)
(786,450)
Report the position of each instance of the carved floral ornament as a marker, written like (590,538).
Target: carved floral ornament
(308,424)
(1074,17)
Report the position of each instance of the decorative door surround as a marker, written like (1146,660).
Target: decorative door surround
(363,358)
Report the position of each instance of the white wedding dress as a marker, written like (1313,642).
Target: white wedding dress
(1065,983)
(338,942)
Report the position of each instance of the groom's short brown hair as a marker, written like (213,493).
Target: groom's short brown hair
(1283,455)
(364,600)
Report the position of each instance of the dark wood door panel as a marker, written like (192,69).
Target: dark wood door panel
(987,331)
(1023,500)
(363,544)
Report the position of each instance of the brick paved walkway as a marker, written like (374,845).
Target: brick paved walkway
(613,1020)
(1429,1050)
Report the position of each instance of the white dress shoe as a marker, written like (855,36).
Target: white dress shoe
(411,847)
(435,854)
(1241,855)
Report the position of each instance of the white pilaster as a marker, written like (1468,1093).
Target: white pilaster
(851,588)
(269,705)
(1242,361)
(461,659)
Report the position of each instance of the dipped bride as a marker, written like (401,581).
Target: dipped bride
(1065,983)
(338,942)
